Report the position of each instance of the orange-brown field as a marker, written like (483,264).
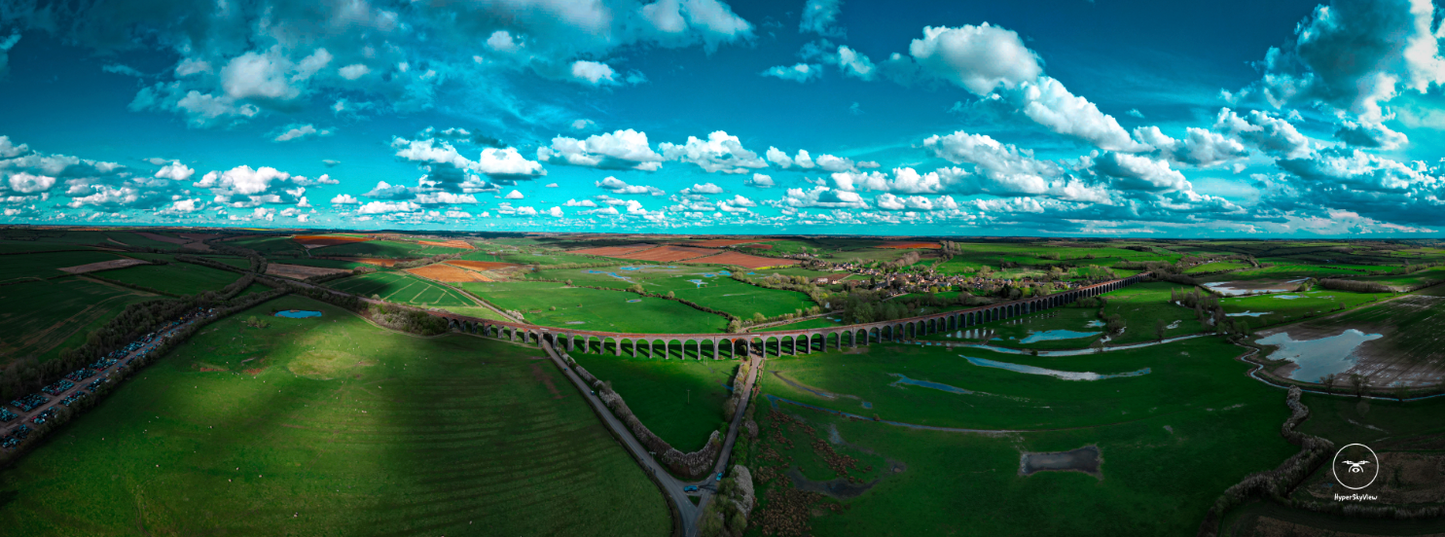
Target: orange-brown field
(667,254)
(446,273)
(744,260)
(613,251)
(758,246)
(369,260)
(720,243)
(899,245)
(450,244)
(314,241)
(480,265)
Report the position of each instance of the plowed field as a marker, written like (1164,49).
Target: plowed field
(720,243)
(450,244)
(480,265)
(316,241)
(446,273)
(613,251)
(668,254)
(909,245)
(744,260)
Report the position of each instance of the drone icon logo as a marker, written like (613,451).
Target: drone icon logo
(1354,471)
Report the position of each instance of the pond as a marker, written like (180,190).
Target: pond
(298,314)
(1065,375)
(928,384)
(699,283)
(1316,358)
(1051,335)
(1248,314)
(612,274)
(1247,288)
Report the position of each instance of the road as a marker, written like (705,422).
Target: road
(100,373)
(671,486)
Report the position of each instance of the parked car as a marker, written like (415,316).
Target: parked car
(690,488)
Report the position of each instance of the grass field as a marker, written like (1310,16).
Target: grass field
(1284,272)
(437,436)
(480,312)
(539,258)
(826,322)
(328,263)
(1410,280)
(42,318)
(175,278)
(594,309)
(384,249)
(1282,310)
(680,401)
(17,267)
(1218,266)
(268,245)
(401,288)
(1151,431)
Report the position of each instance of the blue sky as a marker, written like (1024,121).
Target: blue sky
(1210,119)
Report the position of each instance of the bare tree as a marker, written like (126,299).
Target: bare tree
(1357,381)
(1329,381)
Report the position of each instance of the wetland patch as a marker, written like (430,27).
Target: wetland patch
(1086,459)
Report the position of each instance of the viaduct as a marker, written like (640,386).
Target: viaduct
(791,342)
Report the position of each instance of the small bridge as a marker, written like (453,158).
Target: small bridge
(791,342)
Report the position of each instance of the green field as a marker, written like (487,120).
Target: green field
(826,322)
(268,245)
(42,318)
(480,312)
(330,426)
(1282,310)
(1423,277)
(1152,431)
(680,401)
(401,288)
(175,278)
(541,258)
(1218,266)
(46,265)
(594,309)
(328,263)
(384,249)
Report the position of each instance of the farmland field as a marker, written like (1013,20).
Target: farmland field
(176,278)
(46,265)
(681,401)
(384,249)
(332,426)
(594,309)
(51,315)
(402,288)
(1195,402)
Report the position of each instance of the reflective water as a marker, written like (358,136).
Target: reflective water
(1226,288)
(298,314)
(1318,357)
(1066,375)
(1051,335)
(972,333)
(699,283)
(1288,297)
(1094,324)
(1248,314)
(612,274)
(928,384)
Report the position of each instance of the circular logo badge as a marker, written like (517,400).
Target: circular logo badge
(1356,466)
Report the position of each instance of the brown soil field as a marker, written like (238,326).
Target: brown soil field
(719,243)
(909,245)
(162,238)
(369,260)
(199,236)
(450,244)
(744,260)
(1404,478)
(613,251)
(103,265)
(667,254)
(481,265)
(315,241)
(1393,359)
(299,272)
(446,273)
(1274,527)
